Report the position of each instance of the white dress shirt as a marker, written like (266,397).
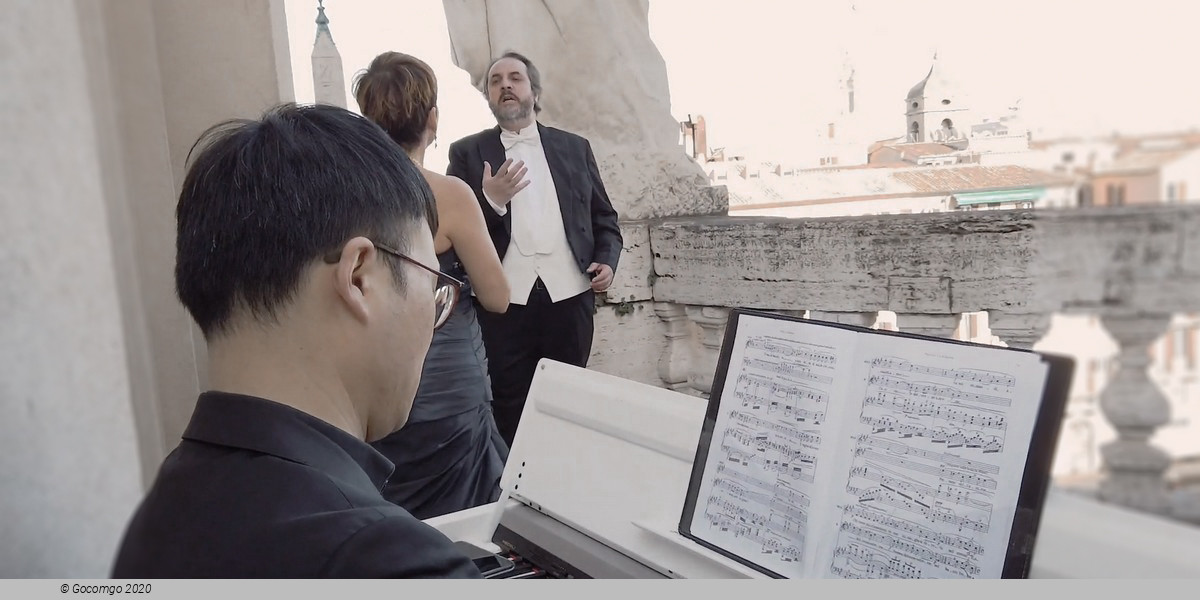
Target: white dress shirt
(538,245)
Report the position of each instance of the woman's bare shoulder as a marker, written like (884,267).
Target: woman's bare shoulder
(450,189)
(438,181)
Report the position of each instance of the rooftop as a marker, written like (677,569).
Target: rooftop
(815,185)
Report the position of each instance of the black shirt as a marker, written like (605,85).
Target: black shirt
(259,489)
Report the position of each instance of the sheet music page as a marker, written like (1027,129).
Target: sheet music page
(935,450)
(773,441)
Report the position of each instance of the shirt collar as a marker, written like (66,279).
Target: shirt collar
(527,135)
(261,425)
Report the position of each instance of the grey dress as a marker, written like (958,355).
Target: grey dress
(449,456)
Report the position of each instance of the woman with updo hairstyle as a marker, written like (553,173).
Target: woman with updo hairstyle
(449,456)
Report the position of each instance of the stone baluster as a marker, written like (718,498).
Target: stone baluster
(711,321)
(1135,407)
(1018,330)
(675,362)
(926,324)
(860,319)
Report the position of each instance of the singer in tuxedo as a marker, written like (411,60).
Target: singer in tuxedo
(554,228)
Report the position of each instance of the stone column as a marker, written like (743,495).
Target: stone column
(926,324)
(711,320)
(1018,330)
(675,361)
(1135,407)
(68,441)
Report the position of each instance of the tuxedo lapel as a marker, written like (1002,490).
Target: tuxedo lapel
(492,151)
(560,172)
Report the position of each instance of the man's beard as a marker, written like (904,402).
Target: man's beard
(508,113)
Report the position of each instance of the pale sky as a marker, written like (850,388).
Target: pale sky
(763,72)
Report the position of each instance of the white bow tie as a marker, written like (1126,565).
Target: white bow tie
(528,135)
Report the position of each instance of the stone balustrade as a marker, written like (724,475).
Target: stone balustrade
(1132,266)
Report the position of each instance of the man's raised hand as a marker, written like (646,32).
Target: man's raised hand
(501,186)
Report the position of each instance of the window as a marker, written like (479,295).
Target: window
(1092,368)
(1190,347)
(1180,342)
(945,102)
(1116,194)
(1171,192)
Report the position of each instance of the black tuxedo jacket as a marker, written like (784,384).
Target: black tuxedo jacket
(589,219)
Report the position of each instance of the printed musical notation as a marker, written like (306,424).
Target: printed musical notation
(785,429)
(797,370)
(842,453)
(802,354)
(956,375)
(926,455)
(952,437)
(767,450)
(934,391)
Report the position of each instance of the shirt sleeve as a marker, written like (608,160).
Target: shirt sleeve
(500,210)
(398,547)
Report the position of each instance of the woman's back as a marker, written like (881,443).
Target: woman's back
(455,376)
(449,456)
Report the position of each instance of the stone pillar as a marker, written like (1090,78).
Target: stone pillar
(98,361)
(675,361)
(68,442)
(859,319)
(1018,330)
(1135,407)
(329,81)
(215,61)
(711,320)
(925,324)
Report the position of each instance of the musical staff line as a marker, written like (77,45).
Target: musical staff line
(795,370)
(956,375)
(935,391)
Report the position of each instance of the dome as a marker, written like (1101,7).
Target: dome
(935,85)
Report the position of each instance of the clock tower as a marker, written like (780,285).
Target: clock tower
(329,84)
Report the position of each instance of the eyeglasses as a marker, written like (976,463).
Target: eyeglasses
(446,290)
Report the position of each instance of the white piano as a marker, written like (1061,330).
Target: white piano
(596,479)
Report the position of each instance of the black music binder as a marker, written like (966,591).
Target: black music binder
(831,450)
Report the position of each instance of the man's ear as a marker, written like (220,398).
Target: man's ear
(356,275)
